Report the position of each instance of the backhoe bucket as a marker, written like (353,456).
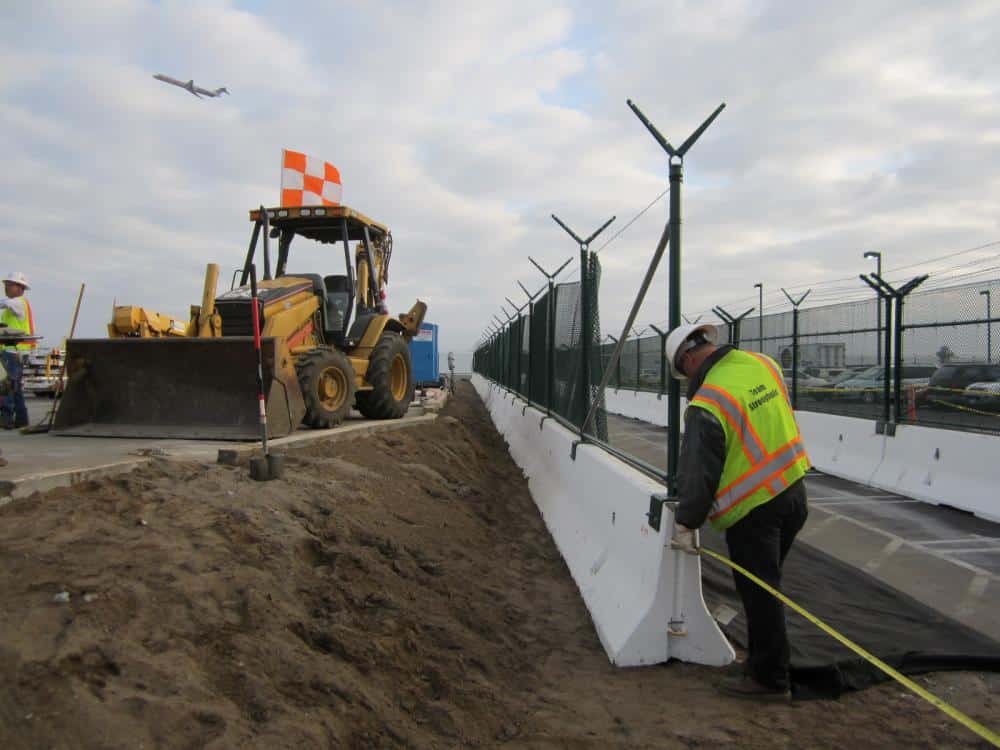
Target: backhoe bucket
(198,388)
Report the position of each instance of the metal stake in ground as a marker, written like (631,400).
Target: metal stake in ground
(46,424)
(674,263)
(260,472)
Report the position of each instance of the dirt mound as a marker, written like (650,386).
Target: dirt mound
(396,590)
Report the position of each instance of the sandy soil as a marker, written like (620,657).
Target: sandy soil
(398,590)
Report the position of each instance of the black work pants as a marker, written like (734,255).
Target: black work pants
(759,542)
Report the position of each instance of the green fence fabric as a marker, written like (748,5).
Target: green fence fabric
(552,355)
(841,352)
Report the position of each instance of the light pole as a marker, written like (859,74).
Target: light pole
(989,327)
(760,316)
(878,307)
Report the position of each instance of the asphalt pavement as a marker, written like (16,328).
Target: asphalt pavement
(946,558)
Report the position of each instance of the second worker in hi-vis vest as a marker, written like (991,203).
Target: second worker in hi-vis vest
(742,465)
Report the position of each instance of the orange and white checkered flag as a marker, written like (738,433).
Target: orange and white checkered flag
(308,181)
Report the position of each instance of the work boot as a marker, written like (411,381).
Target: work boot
(745,686)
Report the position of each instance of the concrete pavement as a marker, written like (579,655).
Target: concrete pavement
(43,461)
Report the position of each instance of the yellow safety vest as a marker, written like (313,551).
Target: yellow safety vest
(14,323)
(764,452)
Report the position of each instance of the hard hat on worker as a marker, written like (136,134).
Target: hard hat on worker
(16,277)
(686,337)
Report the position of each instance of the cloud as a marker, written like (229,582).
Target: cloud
(463,127)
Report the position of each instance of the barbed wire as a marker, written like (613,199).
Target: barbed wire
(841,289)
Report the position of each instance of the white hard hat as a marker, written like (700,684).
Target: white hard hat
(18,278)
(679,336)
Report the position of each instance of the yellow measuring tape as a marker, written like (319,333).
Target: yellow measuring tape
(970,723)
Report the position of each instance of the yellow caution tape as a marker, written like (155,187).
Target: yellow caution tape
(969,409)
(970,723)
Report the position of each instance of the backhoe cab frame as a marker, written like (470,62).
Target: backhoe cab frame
(328,225)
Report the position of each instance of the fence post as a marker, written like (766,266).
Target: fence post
(585,335)
(585,273)
(732,322)
(887,360)
(550,333)
(531,339)
(795,344)
(893,348)
(618,365)
(901,294)
(530,342)
(520,344)
(638,358)
(663,359)
(676,178)
(638,362)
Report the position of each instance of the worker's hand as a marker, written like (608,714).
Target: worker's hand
(685,539)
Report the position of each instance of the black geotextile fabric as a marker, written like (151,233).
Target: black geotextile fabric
(909,636)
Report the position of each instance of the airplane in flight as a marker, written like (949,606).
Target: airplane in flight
(190,87)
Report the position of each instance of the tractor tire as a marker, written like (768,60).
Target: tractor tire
(390,373)
(326,378)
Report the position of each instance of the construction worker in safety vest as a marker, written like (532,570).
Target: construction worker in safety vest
(16,315)
(742,468)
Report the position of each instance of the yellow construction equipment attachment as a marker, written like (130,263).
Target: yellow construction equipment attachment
(198,388)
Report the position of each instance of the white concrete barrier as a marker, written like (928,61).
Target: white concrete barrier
(637,405)
(943,467)
(644,598)
(845,447)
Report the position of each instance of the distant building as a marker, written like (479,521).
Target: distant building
(815,355)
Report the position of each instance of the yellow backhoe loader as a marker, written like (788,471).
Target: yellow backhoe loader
(328,344)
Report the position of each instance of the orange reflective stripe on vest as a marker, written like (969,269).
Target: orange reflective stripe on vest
(769,364)
(765,473)
(737,418)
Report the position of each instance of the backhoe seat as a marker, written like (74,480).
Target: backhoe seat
(338,298)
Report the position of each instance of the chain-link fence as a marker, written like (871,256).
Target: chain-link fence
(551,354)
(948,358)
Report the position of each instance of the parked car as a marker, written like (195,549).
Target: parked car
(806,382)
(830,390)
(829,373)
(861,386)
(949,382)
(40,375)
(983,395)
(868,385)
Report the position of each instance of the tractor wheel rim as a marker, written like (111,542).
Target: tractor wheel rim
(397,377)
(332,388)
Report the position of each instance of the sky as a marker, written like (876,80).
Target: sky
(848,127)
